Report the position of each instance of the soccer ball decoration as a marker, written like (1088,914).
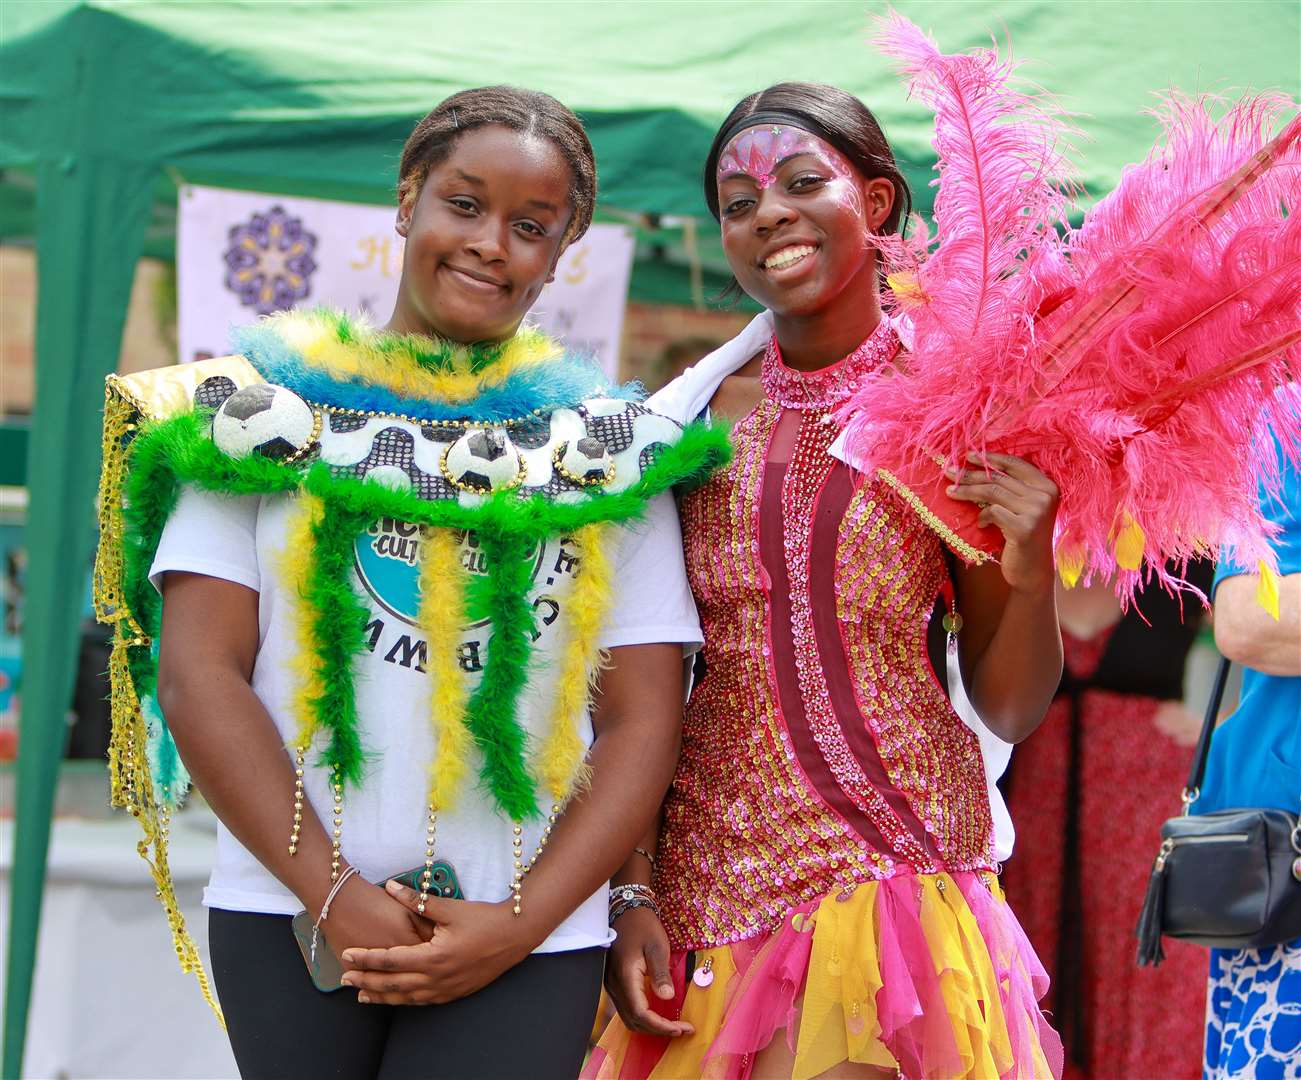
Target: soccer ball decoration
(264,419)
(584,461)
(483,460)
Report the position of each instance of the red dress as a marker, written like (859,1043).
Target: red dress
(1088,793)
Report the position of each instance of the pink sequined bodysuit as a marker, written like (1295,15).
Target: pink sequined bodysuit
(819,750)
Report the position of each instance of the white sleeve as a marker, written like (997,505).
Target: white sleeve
(210,534)
(652,601)
(995,752)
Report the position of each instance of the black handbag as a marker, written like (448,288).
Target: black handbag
(1230,879)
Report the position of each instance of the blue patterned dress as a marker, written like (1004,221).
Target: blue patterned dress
(1253,1014)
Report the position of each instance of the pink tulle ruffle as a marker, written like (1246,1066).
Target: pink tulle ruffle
(911,1010)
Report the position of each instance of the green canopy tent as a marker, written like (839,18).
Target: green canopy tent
(104,105)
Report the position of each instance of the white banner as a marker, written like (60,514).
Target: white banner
(241,254)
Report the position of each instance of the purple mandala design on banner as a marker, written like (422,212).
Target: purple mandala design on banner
(269,263)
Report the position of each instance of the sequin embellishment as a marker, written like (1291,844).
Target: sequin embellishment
(829,386)
(747,835)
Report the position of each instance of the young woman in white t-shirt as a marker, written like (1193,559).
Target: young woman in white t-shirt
(494,184)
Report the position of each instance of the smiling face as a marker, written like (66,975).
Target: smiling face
(796,218)
(482,236)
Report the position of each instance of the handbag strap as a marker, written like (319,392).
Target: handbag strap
(1193,789)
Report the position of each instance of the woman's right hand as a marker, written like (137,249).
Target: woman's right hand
(641,952)
(363,915)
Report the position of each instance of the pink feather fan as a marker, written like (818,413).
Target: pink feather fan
(1132,361)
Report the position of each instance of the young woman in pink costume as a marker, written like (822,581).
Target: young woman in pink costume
(825,894)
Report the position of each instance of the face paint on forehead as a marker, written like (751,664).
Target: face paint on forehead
(757,151)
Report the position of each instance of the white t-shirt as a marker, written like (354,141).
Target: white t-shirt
(240,539)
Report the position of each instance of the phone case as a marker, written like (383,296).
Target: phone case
(326,969)
(442,880)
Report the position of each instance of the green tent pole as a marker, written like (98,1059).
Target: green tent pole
(92,216)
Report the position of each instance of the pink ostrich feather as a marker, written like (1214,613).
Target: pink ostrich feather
(1203,181)
(1185,318)
(1194,153)
(1153,427)
(1131,361)
(1003,189)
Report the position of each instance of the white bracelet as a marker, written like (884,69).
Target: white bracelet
(325,908)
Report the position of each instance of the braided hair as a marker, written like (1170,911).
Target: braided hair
(527,111)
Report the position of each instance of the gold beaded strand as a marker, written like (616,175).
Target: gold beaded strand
(299,754)
(518,877)
(427,877)
(335,858)
(529,417)
(521,867)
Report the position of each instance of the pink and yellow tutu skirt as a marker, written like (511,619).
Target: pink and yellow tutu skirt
(914,976)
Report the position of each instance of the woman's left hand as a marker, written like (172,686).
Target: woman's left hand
(473,943)
(1021,502)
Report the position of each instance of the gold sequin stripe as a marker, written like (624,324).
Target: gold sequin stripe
(888,592)
(971,554)
(120,414)
(132,788)
(895,589)
(130,785)
(921,738)
(720,520)
(713,893)
(818,839)
(745,511)
(855,588)
(741,562)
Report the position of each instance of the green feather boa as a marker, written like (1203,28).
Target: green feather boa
(178,451)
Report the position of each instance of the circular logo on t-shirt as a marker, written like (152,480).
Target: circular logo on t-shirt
(388,565)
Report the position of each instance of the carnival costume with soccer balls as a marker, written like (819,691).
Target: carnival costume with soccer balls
(514,443)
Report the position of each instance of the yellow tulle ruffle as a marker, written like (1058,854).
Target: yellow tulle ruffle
(920,976)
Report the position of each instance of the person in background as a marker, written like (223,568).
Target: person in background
(1253,1014)
(1088,792)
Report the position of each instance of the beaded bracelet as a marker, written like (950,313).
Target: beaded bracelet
(630,889)
(623,898)
(624,906)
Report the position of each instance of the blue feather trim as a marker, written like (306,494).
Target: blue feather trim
(561,383)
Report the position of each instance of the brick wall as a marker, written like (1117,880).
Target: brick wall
(659,340)
(144,344)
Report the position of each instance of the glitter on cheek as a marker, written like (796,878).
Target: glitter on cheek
(845,190)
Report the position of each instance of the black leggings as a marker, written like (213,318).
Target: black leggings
(533,1021)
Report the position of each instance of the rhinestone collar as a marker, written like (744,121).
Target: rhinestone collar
(829,386)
